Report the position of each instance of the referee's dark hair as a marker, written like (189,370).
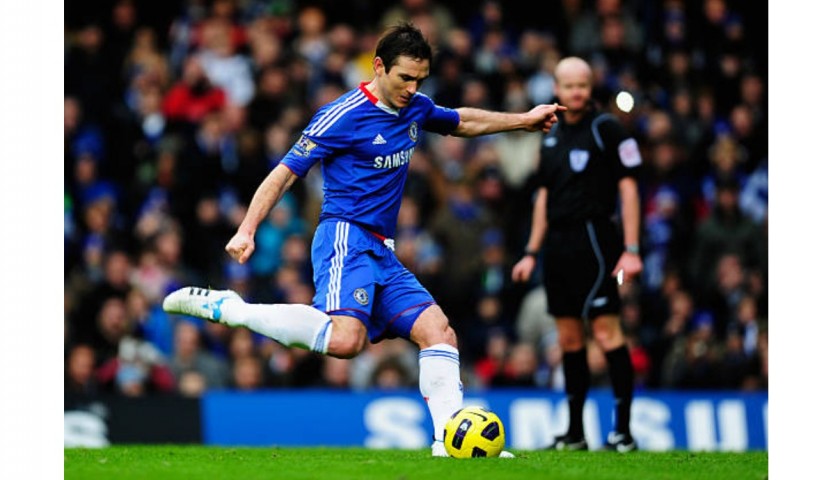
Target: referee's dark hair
(403,39)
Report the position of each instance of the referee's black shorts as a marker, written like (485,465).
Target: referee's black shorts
(577,269)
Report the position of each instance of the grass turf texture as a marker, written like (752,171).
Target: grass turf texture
(190,462)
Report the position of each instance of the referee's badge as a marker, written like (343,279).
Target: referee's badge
(578,159)
(412,131)
(361,296)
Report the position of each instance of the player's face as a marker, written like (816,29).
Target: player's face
(401,82)
(574,89)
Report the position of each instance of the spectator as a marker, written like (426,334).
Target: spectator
(190,356)
(225,68)
(242,344)
(680,314)
(79,376)
(492,363)
(520,368)
(283,221)
(458,229)
(247,374)
(752,139)
(390,374)
(518,152)
(533,322)
(193,96)
(114,283)
(151,322)
(730,289)
(144,68)
(754,198)
(137,370)
(727,162)
(667,199)
(192,384)
(86,72)
(694,360)
(726,231)
(271,99)
(412,10)
(587,34)
(111,327)
(336,373)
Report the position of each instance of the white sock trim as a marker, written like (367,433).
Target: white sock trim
(322,340)
(443,351)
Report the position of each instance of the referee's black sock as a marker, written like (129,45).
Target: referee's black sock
(622,378)
(576,371)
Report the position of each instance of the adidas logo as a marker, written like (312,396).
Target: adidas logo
(379,140)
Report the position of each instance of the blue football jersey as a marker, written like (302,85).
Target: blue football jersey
(364,148)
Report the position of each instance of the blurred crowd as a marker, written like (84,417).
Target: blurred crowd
(175,111)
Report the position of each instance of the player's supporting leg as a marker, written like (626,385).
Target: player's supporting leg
(576,370)
(440,369)
(607,332)
(293,325)
(440,372)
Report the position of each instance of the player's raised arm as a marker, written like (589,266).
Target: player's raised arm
(475,122)
(272,189)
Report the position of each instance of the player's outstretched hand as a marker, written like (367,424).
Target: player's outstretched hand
(240,247)
(542,117)
(523,269)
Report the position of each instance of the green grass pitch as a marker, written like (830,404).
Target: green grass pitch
(218,463)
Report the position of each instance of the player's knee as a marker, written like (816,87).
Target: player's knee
(346,346)
(449,337)
(437,336)
(432,328)
(348,339)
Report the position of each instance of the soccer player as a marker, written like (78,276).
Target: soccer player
(364,141)
(587,163)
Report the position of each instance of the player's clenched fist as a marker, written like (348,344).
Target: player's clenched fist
(240,247)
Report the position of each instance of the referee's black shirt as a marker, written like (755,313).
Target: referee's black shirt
(581,164)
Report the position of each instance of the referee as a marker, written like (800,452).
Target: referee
(588,165)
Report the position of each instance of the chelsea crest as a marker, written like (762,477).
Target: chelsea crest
(412,131)
(361,296)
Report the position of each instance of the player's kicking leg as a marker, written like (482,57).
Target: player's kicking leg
(293,325)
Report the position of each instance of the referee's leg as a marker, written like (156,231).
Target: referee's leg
(572,337)
(606,329)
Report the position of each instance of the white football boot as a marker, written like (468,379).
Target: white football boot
(199,302)
(438,449)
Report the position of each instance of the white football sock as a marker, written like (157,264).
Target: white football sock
(440,383)
(293,325)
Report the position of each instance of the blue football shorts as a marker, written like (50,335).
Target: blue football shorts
(357,275)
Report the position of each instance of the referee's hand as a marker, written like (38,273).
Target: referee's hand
(632,265)
(523,269)
(240,247)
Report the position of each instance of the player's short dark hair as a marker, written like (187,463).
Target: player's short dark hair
(403,39)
